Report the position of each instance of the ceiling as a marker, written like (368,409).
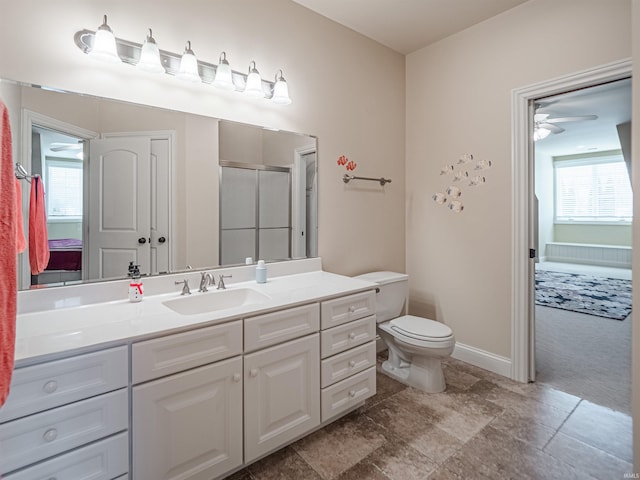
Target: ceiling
(611,102)
(408,25)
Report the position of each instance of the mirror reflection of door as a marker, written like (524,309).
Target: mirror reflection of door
(255,213)
(58,157)
(128,205)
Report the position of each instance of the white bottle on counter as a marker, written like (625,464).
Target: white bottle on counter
(261,272)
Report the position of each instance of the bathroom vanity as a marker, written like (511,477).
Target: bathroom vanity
(184,387)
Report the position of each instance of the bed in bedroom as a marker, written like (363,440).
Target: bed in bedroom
(65,262)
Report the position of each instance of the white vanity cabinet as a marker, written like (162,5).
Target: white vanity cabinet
(348,351)
(188,424)
(68,419)
(281,382)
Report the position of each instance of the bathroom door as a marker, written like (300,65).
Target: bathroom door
(128,205)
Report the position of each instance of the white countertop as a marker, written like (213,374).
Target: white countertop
(60,331)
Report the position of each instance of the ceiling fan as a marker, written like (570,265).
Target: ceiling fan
(544,126)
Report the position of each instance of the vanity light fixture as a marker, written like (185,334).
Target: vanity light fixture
(224,76)
(281,90)
(185,66)
(254,82)
(104,44)
(150,56)
(189,66)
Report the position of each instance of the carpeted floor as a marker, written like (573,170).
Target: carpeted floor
(585,355)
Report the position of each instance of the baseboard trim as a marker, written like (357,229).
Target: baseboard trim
(483,359)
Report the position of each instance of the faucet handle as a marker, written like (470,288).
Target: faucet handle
(221,285)
(185,287)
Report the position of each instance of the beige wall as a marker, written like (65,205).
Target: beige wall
(593,234)
(635,343)
(346,90)
(459,100)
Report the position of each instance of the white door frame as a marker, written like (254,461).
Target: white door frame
(522,196)
(29,119)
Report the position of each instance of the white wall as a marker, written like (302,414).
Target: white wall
(347,90)
(458,100)
(545,194)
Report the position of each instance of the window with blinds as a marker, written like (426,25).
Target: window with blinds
(593,190)
(63,189)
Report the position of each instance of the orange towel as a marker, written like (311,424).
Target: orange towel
(8,278)
(38,238)
(21,242)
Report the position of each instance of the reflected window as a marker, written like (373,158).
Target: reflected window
(63,188)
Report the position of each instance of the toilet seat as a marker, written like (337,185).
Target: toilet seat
(421,328)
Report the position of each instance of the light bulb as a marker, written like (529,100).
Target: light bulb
(223,78)
(281,91)
(254,82)
(104,45)
(150,56)
(189,66)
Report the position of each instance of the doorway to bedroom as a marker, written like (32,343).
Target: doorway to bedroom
(582,234)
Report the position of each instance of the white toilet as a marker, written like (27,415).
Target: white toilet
(416,345)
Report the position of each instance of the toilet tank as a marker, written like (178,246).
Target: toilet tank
(394,288)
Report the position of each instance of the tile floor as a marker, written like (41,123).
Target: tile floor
(483,427)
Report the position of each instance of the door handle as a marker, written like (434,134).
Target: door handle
(162,240)
(142,240)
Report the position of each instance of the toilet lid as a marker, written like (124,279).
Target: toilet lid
(420,328)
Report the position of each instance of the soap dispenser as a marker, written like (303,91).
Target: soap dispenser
(136,291)
(261,272)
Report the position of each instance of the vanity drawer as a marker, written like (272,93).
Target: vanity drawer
(102,460)
(339,339)
(49,433)
(343,365)
(175,353)
(348,393)
(272,328)
(345,309)
(41,387)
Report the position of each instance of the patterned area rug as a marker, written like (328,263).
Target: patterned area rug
(604,297)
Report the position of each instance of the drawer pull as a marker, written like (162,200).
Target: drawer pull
(352,335)
(236,377)
(352,309)
(352,393)
(50,435)
(352,363)
(50,387)
(253,372)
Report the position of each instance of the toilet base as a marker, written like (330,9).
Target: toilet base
(425,373)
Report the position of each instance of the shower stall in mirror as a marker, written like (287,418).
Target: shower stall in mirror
(255,212)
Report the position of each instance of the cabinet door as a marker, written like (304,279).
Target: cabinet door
(189,425)
(281,394)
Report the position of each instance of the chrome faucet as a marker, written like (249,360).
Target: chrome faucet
(185,287)
(221,285)
(205,281)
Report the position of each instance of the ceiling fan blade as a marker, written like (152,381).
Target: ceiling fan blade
(540,117)
(551,127)
(578,118)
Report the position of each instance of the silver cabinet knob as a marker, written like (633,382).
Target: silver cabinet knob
(352,363)
(50,435)
(352,309)
(236,377)
(352,335)
(50,387)
(253,372)
(352,393)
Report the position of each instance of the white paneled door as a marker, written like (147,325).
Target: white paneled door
(128,206)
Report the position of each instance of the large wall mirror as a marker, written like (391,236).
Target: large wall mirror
(165,189)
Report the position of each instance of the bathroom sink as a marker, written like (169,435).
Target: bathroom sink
(215,300)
